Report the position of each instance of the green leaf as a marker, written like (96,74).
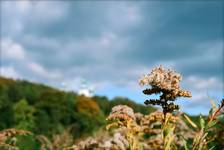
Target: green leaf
(185,145)
(204,136)
(190,121)
(212,147)
(202,122)
(211,124)
(221,118)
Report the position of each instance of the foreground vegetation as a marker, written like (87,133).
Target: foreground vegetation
(34,116)
(50,114)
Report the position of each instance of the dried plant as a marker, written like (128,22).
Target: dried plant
(159,130)
(161,133)
(166,83)
(58,141)
(123,116)
(88,144)
(10,133)
(172,134)
(45,142)
(117,142)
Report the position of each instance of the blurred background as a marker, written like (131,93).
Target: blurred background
(103,47)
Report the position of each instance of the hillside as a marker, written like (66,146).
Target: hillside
(46,110)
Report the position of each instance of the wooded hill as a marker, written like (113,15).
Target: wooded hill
(45,110)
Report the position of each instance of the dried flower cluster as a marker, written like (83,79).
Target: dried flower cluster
(123,116)
(148,121)
(153,133)
(166,83)
(138,124)
(122,112)
(87,144)
(9,133)
(116,142)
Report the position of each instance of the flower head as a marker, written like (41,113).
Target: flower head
(166,82)
(121,112)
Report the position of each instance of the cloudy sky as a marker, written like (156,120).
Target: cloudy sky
(111,44)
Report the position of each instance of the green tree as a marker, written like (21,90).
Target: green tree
(103,103)
(6,111)
(88,115)
(55,110)
(24,115)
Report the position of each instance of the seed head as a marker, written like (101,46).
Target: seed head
(122,112)
(166,82)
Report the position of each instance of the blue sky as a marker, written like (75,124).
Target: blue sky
(111,44)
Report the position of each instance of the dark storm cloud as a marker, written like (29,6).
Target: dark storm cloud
(182,29)
(170,34)
(77,24)
(83,19)
(116,41)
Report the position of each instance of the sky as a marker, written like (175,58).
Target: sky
(111,44)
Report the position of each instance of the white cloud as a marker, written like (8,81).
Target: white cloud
(23,6)
(202,90)
(40,70)
(9,71)
(205,84)
(124,15)
(38,10)
(19,16)
(11,49)
(41,12)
